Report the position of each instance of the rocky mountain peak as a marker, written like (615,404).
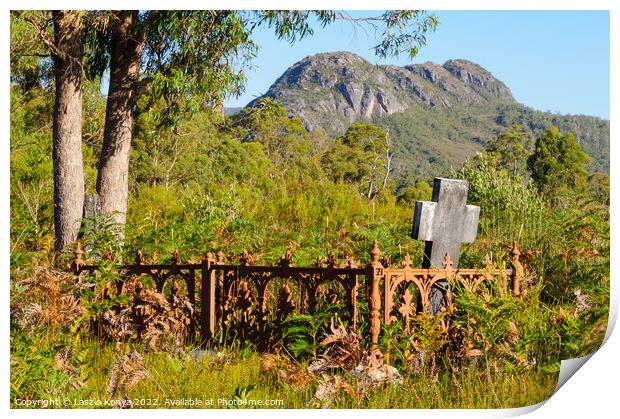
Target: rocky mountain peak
(332,90)
(322,69)
(476,76)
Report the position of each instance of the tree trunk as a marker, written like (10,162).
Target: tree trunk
(112,178)
(67,128)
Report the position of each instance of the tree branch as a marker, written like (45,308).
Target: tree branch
(54,50)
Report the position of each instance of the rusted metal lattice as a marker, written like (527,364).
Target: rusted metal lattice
(251,302)
(398,281)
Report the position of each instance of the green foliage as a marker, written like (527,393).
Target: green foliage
(422,191)
(576,246)
(284,139)
(100,235)
(31,64)
(599,187)
(31,182)
(519,331)
(186,70)
(509,207)
(361,156)
(397,39)
(430,333)
(392,342)
(32,368)
(568,248)
(302,333)
(234,180)
(582,323)
(426,336)
(401,30)
(592,133)
(189,59)
(511,148)
(430,142)
(558,165)
(98,300)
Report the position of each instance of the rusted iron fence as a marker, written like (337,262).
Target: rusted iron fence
(251,302)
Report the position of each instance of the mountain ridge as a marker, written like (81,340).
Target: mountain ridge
(452,110)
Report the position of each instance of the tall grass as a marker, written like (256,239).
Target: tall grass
(510,209)
(239,376)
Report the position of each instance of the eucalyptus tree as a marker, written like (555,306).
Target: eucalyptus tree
(558,165)
(511,148)
(185,58)
(59,34)
(362,156)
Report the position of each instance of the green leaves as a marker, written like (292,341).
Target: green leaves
(511,148)
(293,25)
(361,156)
(30,58)
(510,208)
(101,236)
(302,332)
(194,58)
(404,31)
(517,330)
(558,165)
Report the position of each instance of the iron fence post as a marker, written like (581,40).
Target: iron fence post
(374,273)
(207,300)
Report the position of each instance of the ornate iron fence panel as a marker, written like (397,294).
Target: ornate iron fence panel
(249,302)
(400,303)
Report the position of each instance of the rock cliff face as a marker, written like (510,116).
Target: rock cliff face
(332,90)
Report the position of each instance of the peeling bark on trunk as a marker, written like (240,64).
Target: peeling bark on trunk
(112,178)
(67,128)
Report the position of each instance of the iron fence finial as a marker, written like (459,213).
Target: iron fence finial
(375,252)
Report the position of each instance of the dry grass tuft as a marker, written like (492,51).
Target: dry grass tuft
(125,373)
(286,371)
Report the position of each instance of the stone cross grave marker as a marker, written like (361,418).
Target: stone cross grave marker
(444,224)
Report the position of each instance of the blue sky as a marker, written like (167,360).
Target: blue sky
(551,60)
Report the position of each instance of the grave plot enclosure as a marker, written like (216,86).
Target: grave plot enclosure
(251,302)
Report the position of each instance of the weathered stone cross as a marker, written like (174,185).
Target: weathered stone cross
(444,224)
